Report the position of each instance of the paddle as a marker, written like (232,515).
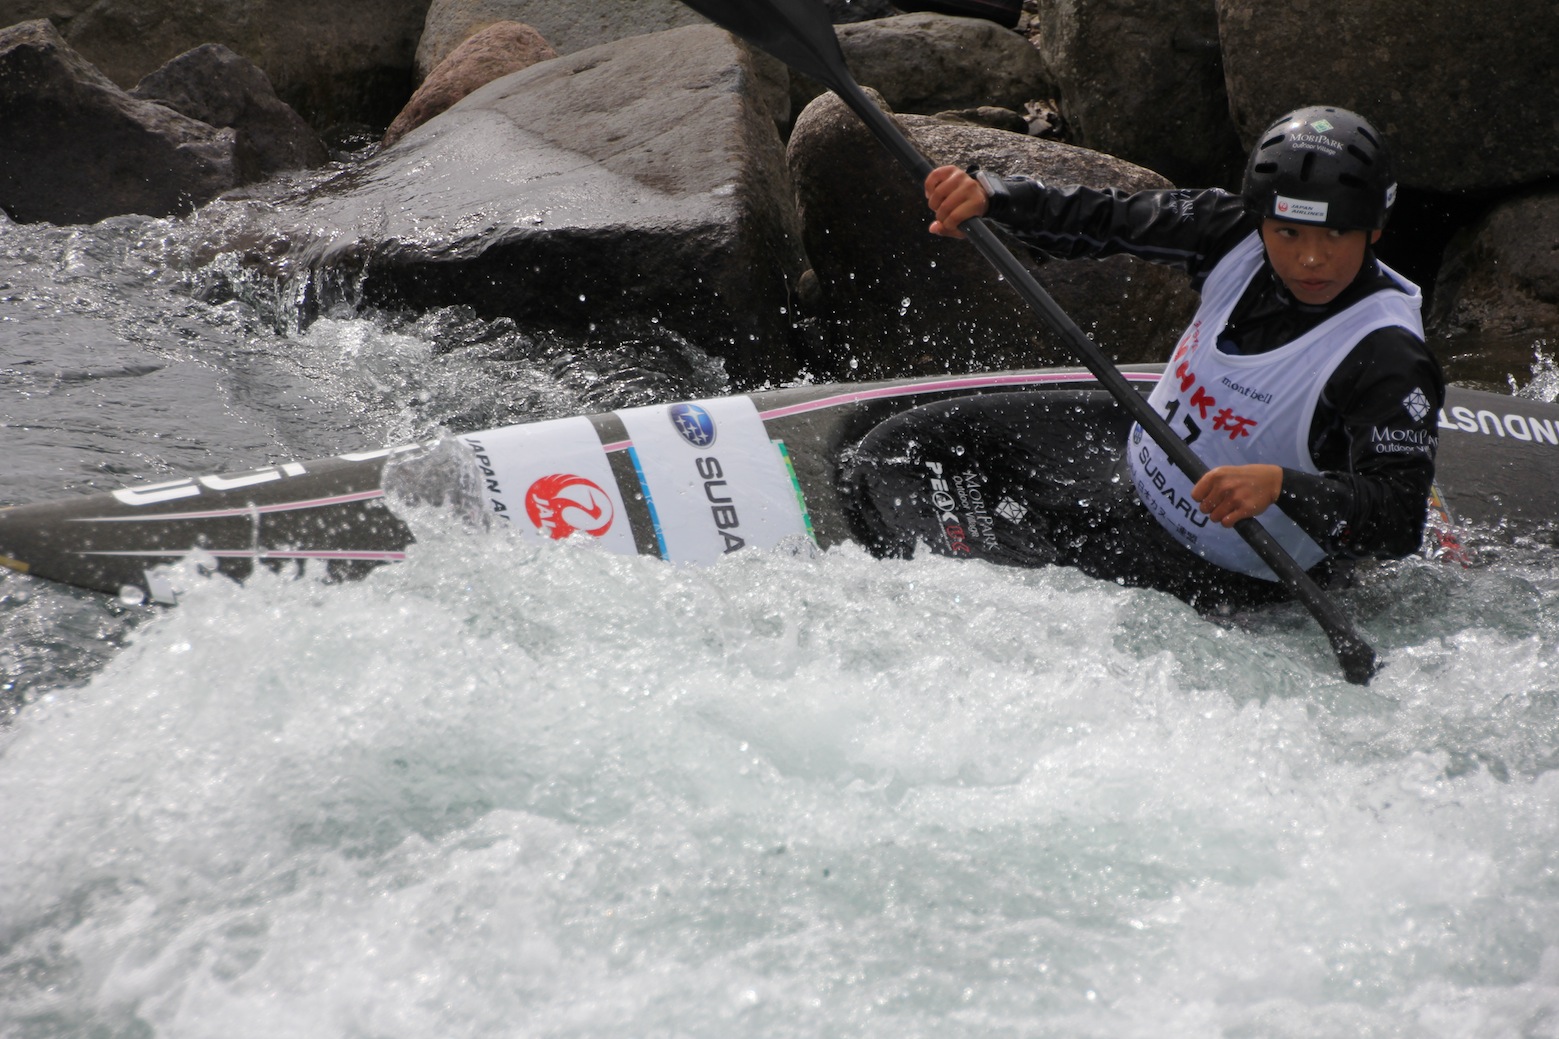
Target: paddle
(801,34)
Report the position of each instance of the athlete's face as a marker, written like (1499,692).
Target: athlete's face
(1316,263)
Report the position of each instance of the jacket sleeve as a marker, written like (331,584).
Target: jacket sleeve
(1190,230)
(1374,439)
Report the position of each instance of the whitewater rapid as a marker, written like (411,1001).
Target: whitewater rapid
(510,789)
(516,790)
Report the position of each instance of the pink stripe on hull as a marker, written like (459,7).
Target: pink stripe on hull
(289,506)
(965,382)
(962,382)
(248,553)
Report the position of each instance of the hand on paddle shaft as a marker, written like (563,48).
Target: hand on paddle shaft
(954,197)
(1231,493)
(1227,494)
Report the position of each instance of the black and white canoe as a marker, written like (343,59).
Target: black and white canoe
(693,481)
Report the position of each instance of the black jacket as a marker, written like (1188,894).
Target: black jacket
(1372,438)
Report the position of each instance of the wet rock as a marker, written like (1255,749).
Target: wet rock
(1143,80)
(348,61)
(928,63)
(643,178)
(222,89)
(569,25)
(75,148)
(1003,12)
(497,50)
(845,11)
(1044,119)
(897,300)
(1465,90)
(987,115)
(1502,277)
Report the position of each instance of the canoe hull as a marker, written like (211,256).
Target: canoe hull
(689,482)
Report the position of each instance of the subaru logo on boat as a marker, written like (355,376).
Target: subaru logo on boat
(694,423)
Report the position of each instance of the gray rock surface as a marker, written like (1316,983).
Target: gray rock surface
(222,89)
(896,300)
(640,178)
(492,52)
(569,25)
(1143,80)
(845,11)
(928,63)
(1467,94)
(1502,277)
(75,148)
(341,62)
(1467,91)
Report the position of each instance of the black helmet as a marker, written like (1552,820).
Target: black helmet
(1323,166)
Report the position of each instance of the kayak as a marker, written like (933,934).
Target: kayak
(693,481)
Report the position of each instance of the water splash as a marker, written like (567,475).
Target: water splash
(511,787)
(1544,383)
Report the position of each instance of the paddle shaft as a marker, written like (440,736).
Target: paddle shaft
(799,33)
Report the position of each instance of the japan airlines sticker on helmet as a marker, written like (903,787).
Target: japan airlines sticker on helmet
(1285,208)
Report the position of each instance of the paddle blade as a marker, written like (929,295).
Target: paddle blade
(798,32)
(1358,660)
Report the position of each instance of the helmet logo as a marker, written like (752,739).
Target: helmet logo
(1320,126)
(1299,209)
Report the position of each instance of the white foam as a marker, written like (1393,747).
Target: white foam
(515,789)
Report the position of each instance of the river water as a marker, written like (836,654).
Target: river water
(517,790)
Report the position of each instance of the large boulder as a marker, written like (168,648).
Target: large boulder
(1467,91)
(569,25)
(344,62)
(640,179)
(222,89)
(1143,80)
(896,300)
(492,53)
(1003,12)
(843,11)
(1502,277)
(75,148)
(929,63)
